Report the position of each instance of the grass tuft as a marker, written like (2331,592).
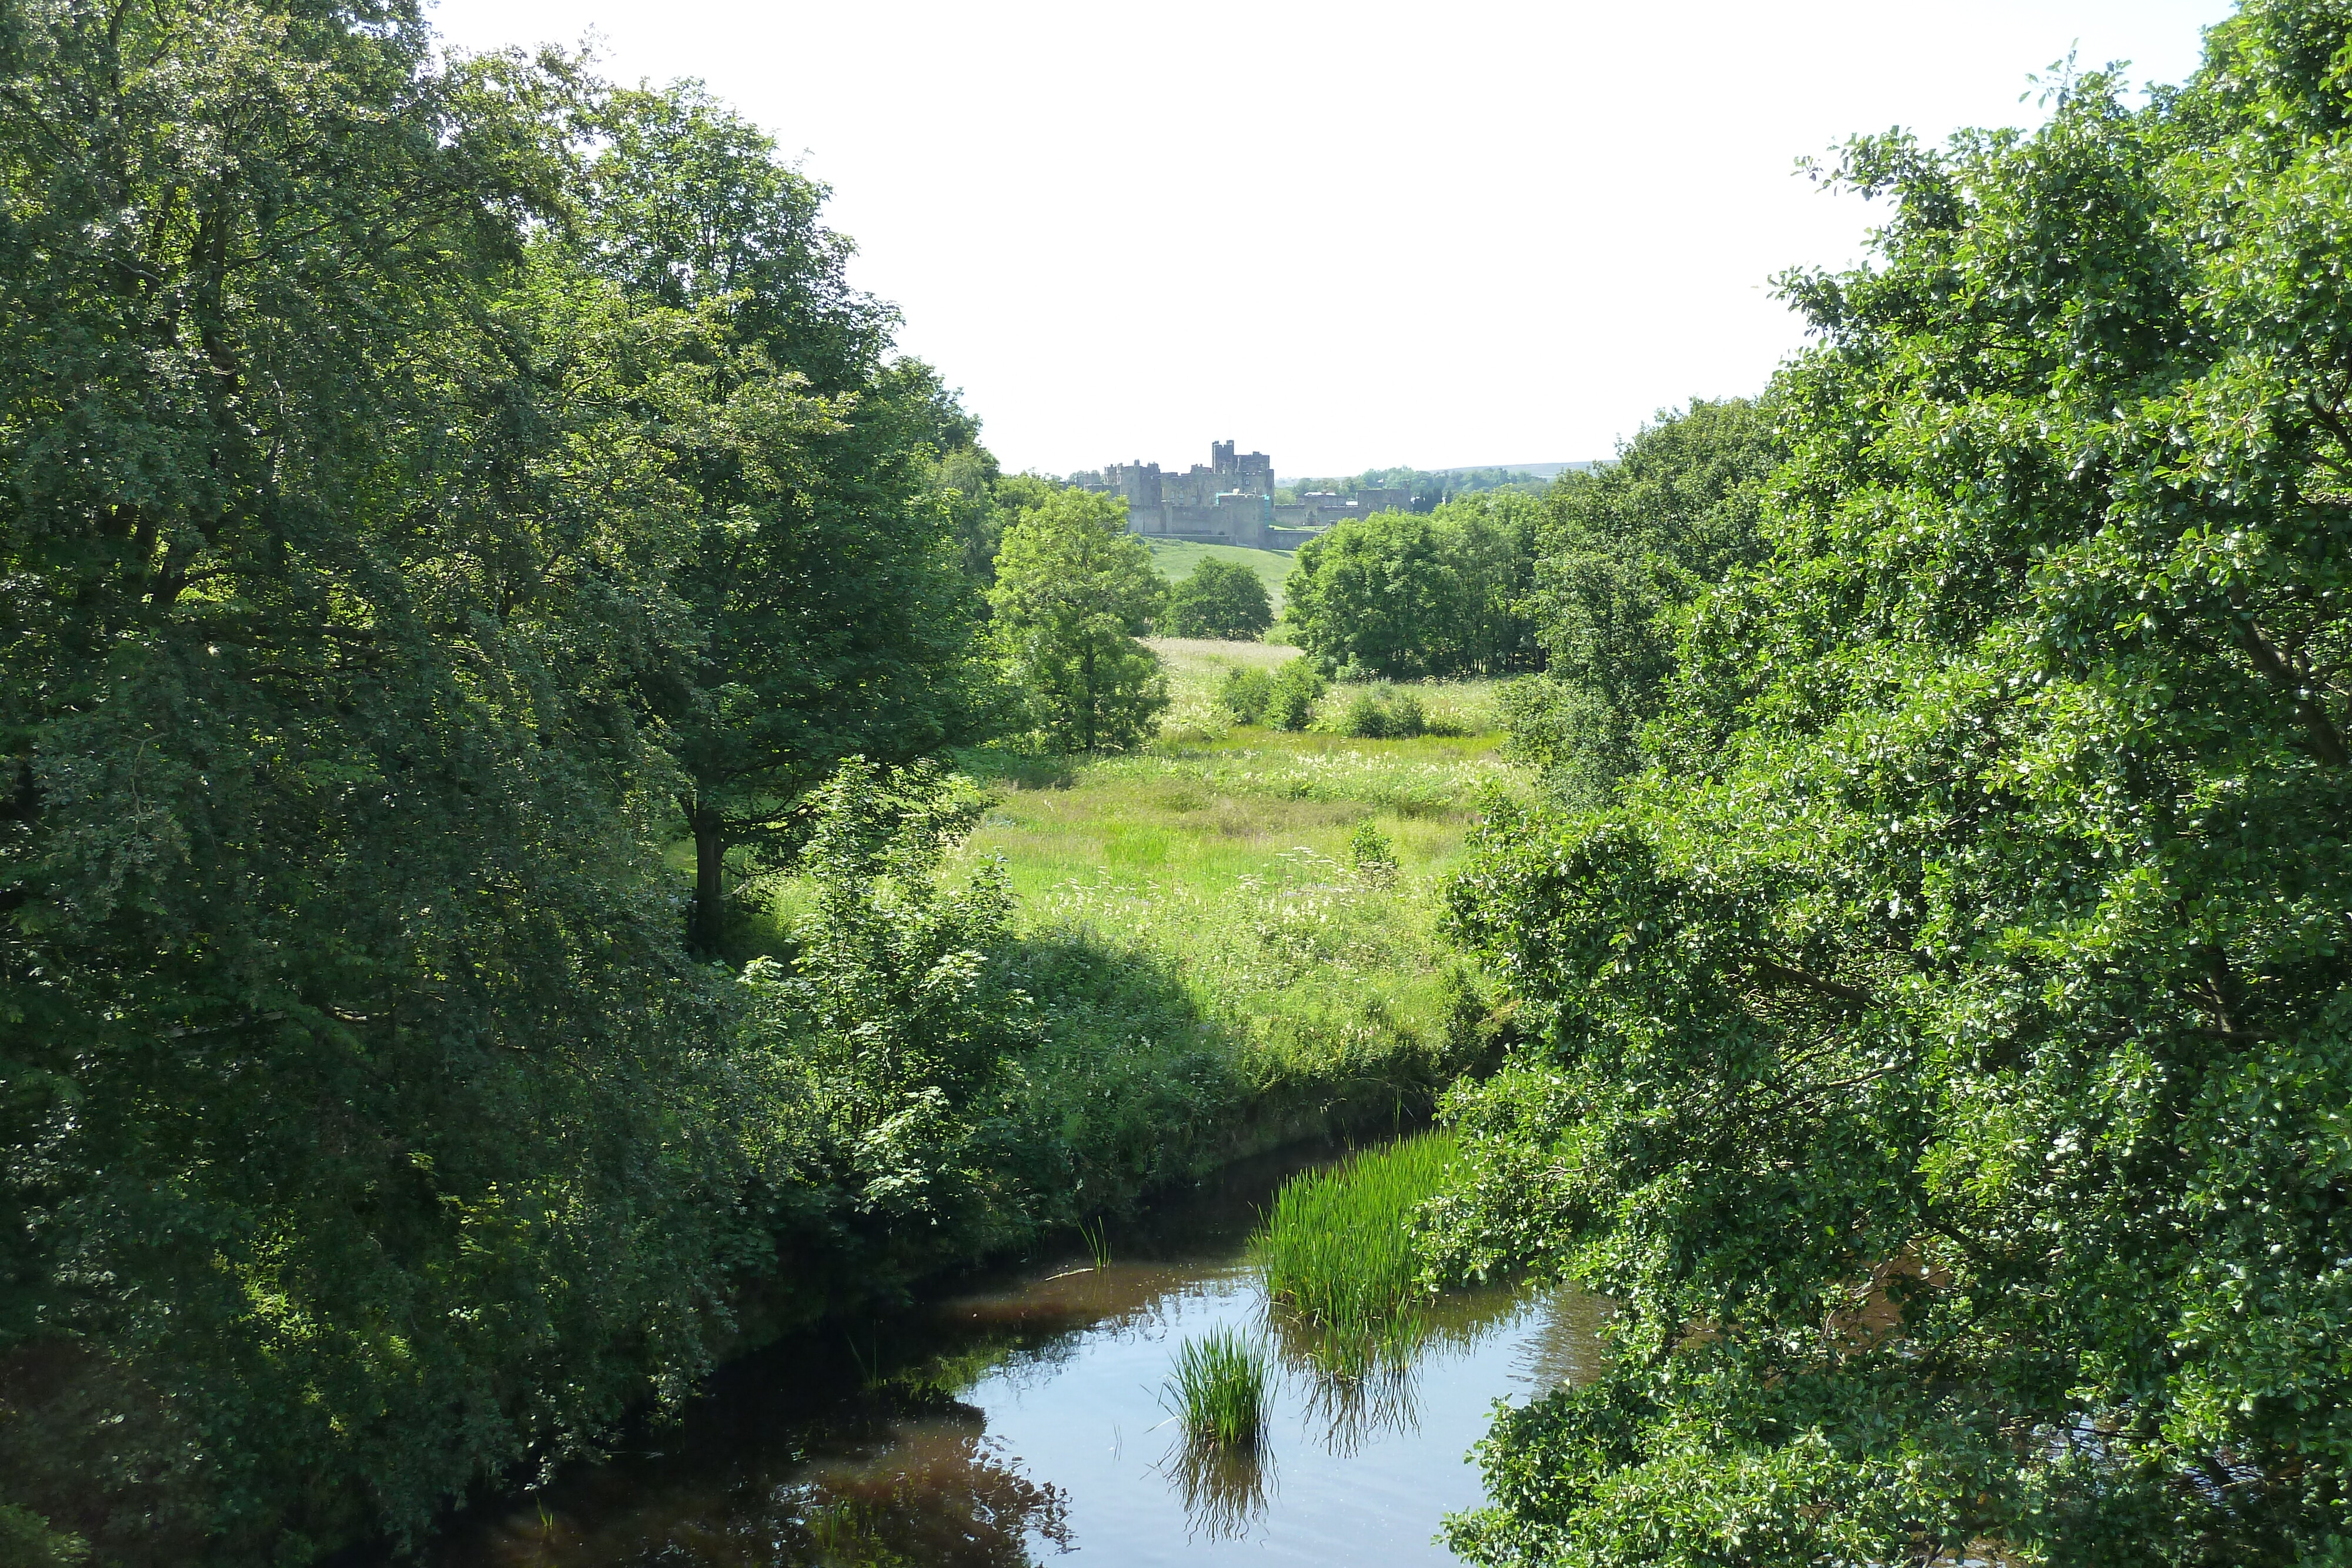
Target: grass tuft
(1219,1384)
(1337,1249)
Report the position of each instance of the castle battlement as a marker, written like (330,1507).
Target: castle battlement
(1230,500)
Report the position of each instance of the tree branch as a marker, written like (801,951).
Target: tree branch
(1828,988)
(2325,738)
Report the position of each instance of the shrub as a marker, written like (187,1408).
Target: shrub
(1373,855)
(1292,695)
(1244,695)
(1377,713)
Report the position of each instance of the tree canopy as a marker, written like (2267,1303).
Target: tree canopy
(1940,1049)
(1220,599)
(423,482)
(1401,594)
(822,579)
(1623,551)
(1073,590)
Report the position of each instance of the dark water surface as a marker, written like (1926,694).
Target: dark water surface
(1020,1420)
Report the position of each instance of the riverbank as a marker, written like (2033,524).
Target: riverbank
(1017,1413)
(1160,964)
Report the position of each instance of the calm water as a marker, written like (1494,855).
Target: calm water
(1020,1421)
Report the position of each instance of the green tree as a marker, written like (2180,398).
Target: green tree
(1624,550)
(362,1133)
(823,578)
(1073,590)
(1404,595)
(1942,1050)
(1220,599)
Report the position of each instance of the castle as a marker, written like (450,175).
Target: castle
(1231,501)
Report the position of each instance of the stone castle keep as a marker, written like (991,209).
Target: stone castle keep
(1231,501)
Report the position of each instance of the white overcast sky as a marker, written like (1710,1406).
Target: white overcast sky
(1350,236)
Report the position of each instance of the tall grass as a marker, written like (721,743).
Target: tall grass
(1337,1249)
(1219,1384)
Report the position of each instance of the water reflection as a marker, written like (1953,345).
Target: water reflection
(1018,1420)
(1569,1349)
(930,1488)
(1224,1491)
(1355,1389)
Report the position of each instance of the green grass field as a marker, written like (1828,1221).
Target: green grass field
(1223,850)
(1176,557)
(1220,859)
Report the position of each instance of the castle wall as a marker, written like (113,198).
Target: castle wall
(1230,501)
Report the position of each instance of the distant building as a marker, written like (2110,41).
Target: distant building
(1231,501)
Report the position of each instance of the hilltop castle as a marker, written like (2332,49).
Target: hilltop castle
(1231,501)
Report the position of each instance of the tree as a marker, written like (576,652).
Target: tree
(361,1128)
(1404,595)
(1073,590)
(1220,599)
(1941,1051)
(1624,550)
(823,577)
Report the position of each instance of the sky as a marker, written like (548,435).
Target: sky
(1350,236)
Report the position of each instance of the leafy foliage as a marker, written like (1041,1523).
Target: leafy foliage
(1401,594)
(1219,599)
(1942,1047)
(1245,693)
(362,1137)
(1291,694)
(821,575)
(1624,550)
(399,461)
(1384,713)
(1073,590)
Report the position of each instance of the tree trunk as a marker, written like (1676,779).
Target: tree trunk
(709,880)
(1087,717)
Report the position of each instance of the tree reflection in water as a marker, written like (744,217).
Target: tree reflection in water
(935,1493)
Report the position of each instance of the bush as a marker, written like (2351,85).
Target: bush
(1292,695)
(1379,714)
(1244,695)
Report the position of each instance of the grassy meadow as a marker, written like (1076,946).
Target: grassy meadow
(1215,961)
(1223,852)
(1176,560)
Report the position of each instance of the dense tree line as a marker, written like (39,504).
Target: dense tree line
(428,489)
(1426,489)
(1938,1034)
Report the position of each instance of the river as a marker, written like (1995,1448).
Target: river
(1019,1419)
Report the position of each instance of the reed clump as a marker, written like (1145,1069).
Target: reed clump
(1337,1249)
(1220,1389)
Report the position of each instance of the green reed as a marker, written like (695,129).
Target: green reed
(1220,1387)
(1338,1249)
